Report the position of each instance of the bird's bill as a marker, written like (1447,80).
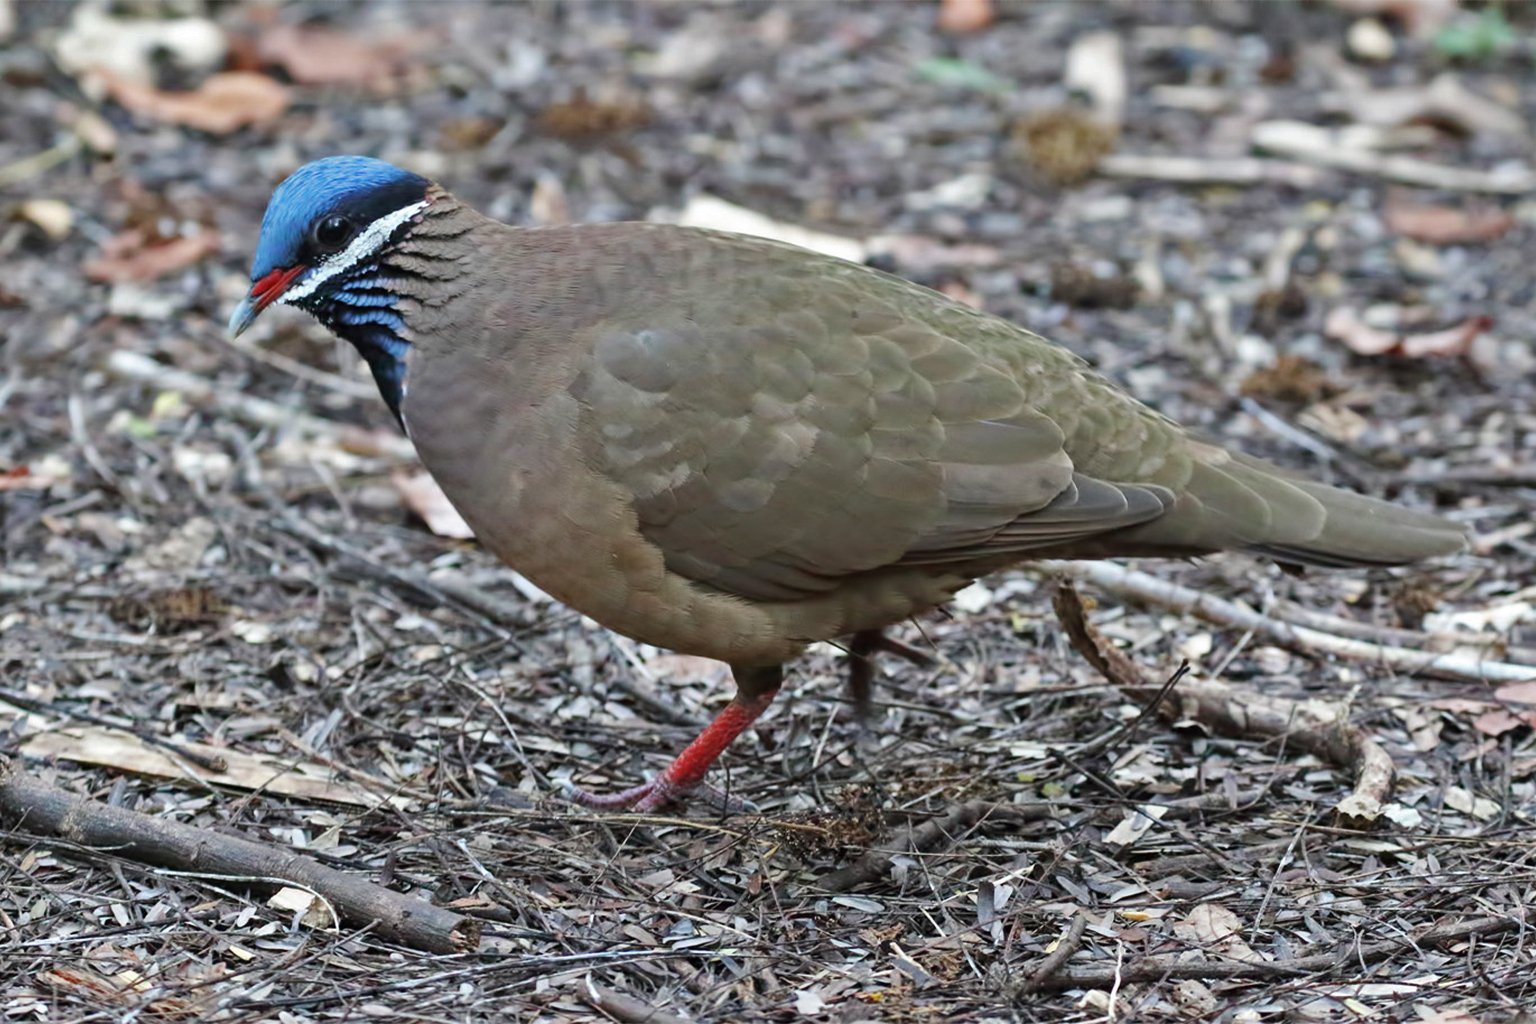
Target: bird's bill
(264,291)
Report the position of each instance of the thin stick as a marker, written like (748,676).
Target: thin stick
(626,1008)
(1314,726)
(1160,968)
(930,835)
(1140,586)
(257,412)
(1322,147)
(44,810)
(1054,961)
(1197,170)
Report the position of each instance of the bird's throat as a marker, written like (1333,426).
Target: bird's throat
(364,311)
(384,351)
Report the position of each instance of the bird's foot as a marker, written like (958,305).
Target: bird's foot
(684,778)
(658,793)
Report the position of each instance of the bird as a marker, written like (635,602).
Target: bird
(734,448)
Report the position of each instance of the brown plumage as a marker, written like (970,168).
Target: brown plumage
(733,448)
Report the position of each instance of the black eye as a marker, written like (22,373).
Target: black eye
(331,234)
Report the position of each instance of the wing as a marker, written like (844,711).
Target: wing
(814,431)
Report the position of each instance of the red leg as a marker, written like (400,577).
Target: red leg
(755,690)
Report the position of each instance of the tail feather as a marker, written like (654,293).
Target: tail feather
(1236,501)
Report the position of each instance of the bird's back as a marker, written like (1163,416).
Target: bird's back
(779,427)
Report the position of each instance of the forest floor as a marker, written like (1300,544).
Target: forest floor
(226,546)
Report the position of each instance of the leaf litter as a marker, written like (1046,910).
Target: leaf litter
(342,667)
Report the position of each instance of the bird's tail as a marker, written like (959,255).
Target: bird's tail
(1232,500)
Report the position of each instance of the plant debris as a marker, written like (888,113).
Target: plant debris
(219,610)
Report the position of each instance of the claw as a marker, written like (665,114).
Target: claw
(657,794)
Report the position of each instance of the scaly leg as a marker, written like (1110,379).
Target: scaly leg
(756,687)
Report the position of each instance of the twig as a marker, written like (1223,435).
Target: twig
(1324,148)
(1197,170)
(17,171)
(626,1008)
(1314,726)
(1069,943)
(207,762)
(1299,615)
(1160,968)
(930,835)
(258,412)
(1186,600)
(492,610)
(44,810)
(1495,475)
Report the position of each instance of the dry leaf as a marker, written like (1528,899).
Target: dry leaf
(1135,824)
(136,255)
(126,752)
(52,217)
(1500,721)
(1445,102)
(706,211)
(1344,324)
(1518,693)
(687,668)
(312,911)
(809,1003)
(920,254)
(100,41)
(312,55)
(423,497)
(1096,69)
(1446,225)
(1459,705)
(224,103)
(1217,930)
(965,15)
(22,478)
(582,119)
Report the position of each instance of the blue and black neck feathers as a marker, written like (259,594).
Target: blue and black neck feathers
(325,242)
(364,310)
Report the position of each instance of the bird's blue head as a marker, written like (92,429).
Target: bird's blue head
(323,240)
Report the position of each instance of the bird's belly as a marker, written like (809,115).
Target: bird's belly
(519,481)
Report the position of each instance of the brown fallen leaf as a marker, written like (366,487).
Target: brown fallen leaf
(223,103)
(423,497)
(21,478)
(687,668)
(314,55)
(1344,324)
(1518,693)
(1445,225)
(138,255)
(582,119)
(1291,378)
(1501,720)
(965,15)
(920,254)
(1459,705)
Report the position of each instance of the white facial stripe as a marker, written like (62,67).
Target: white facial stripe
(361,247)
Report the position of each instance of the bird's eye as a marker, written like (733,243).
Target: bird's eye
(331,234)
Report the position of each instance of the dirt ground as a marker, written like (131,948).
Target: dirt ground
(184,559)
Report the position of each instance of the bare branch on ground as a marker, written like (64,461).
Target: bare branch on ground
(1161,968)
(33,806)
(1140,586)
(1314,726)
